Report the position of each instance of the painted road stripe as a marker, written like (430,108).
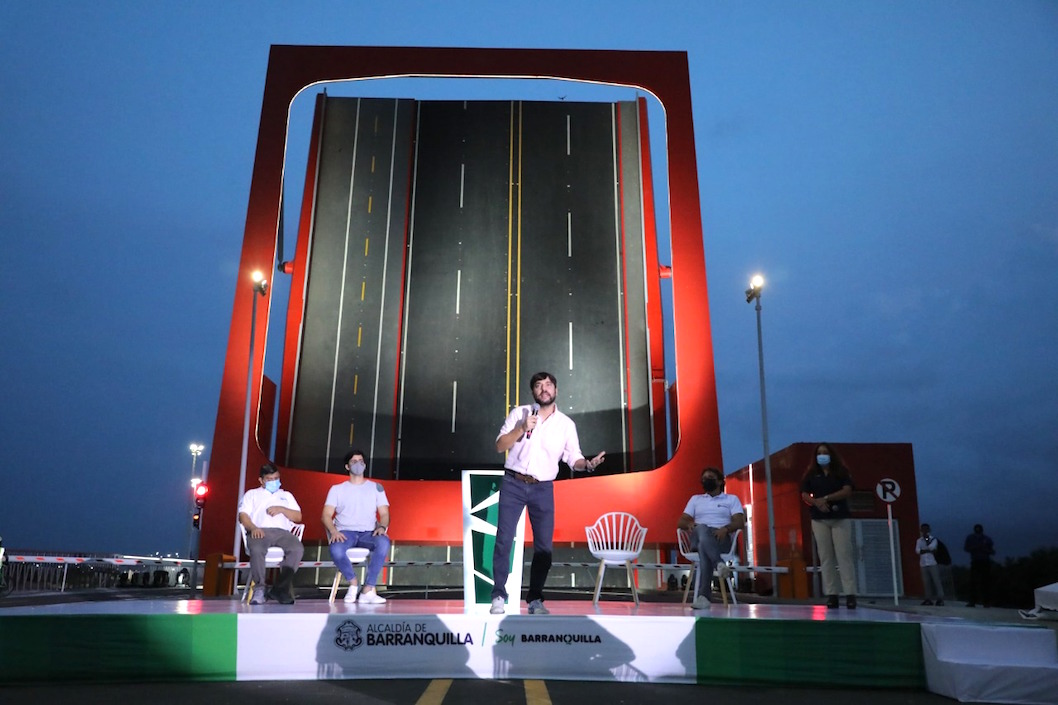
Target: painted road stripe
(435,692)
(536,693)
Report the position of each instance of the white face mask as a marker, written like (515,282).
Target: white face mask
(357,468)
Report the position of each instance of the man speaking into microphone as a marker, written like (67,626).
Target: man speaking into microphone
(537,436)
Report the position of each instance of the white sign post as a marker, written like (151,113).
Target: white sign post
(888,490)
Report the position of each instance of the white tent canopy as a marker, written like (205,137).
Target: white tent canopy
(1047,597)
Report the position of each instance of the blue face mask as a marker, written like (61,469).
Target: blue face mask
(823,459)
(272,486)
(357,468)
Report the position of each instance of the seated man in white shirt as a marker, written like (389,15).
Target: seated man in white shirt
(711,518)
(268,513)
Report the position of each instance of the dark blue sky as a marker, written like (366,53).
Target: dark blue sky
(892,169)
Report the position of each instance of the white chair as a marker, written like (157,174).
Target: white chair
(728,577)
(615,538)
(356,556)
(272,559)
(733,560)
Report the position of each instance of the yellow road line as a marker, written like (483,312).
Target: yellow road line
(536,693)
(510,263)
(435,692)
(518,284)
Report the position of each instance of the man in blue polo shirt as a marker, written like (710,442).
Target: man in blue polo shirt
(712,518)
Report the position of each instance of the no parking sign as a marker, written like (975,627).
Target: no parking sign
(888,490)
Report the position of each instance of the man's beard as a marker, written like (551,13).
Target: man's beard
(541,402)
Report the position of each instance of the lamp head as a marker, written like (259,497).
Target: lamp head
(756,284)
(260,284)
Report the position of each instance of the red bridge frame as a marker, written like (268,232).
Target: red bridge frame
(429,512)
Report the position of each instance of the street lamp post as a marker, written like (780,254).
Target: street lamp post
(756,285)
(260,287)
(196,450)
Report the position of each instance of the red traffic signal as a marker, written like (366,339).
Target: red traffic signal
(201,490)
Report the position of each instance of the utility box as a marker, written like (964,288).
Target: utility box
(218,581)
(793,584)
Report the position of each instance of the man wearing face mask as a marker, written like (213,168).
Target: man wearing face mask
(712,518)
(356,515)
(268,513)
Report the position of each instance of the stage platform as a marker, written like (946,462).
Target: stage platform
(223,639)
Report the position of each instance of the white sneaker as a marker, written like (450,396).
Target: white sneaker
(371,597)
(350,595)
(497,606)
(701,602)
(537,607)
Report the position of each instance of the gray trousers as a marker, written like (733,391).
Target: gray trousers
(932,582)
(293,550)
(704,541)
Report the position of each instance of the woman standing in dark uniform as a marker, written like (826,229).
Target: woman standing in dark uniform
(825,488)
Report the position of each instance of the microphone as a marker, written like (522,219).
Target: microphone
(536,410)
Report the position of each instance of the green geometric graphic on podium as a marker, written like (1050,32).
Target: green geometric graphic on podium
(481,509)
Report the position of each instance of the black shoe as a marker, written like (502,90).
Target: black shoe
(971,604)
(928,603)
(850,602)
(832,601)
(940,603)
(283,590)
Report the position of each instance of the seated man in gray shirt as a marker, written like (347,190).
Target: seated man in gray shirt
(356,514)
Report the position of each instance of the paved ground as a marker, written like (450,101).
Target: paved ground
(421,692)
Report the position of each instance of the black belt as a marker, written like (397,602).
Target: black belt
(527,479)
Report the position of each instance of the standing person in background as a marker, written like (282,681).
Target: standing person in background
(825,488)
(981,550)
(926,548)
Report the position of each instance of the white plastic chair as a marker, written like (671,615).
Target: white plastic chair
(615,538)
(728,577)
(733,560)
(273,557)
(356,556)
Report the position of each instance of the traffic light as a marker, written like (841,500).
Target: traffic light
(201,490)
(196,519)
